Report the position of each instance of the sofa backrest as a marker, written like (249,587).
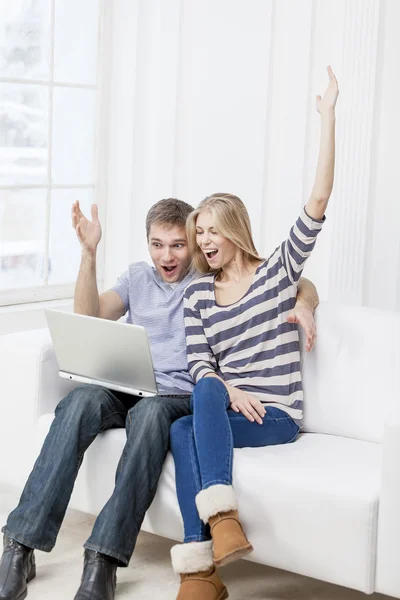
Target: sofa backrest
(351,378)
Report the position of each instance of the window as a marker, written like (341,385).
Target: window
(48,122)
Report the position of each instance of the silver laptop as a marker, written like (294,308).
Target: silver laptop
(108,353)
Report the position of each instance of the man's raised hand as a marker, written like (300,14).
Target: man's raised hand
(88,232)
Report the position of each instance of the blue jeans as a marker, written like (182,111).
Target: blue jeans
(79,418)
(202,445)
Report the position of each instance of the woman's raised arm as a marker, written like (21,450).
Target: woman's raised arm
(322,189)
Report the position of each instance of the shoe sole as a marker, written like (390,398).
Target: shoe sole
(236,555)
(223,595)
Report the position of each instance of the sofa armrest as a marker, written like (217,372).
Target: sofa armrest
(51,388)
(387,565)
(30,387)
(30,374)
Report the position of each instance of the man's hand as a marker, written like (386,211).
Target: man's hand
(303,315)
(88,232)
(248,405)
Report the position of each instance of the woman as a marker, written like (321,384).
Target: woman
(244,356)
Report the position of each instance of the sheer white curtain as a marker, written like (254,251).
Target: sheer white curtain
(220,96)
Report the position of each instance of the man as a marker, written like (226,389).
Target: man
(151,297)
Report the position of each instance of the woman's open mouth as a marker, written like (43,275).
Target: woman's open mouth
(210,254)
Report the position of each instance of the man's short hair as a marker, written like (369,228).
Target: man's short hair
(169,211)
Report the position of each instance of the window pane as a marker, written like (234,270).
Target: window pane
(65,249)
(75,42)
(25,38)
(23,134)
(73,136)
(22,237)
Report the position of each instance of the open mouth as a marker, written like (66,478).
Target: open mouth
(210,254)
(170,270)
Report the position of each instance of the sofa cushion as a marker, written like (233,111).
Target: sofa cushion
(309,507)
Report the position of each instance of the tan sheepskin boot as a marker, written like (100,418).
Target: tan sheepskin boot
(217,506)
(230,542)
(204,585)
(199,578)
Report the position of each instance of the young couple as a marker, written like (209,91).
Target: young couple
(232,332)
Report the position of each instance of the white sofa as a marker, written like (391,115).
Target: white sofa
(327,506)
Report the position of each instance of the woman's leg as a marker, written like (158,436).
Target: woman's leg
(203,448)
(193,559)
(277,428)
(212,432)
(216,431)
(229,540)
(213,443)
(188,478)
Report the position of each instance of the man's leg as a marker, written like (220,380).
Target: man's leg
(147,424)
(35,523)
(79,418)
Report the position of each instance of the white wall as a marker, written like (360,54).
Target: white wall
(219,95)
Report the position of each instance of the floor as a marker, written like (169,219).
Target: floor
(150,577)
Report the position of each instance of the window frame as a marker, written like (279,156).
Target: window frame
(46,292)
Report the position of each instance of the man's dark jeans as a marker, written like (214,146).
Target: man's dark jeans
(79,418)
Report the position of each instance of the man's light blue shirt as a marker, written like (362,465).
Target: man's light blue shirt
(158,307)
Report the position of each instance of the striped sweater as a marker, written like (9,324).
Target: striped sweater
(249,343)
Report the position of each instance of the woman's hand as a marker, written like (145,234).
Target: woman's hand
(328,102)
(247,404)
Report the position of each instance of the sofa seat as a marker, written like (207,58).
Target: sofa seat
(316,501)
(310,507)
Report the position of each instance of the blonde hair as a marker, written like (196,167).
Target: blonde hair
(231,220)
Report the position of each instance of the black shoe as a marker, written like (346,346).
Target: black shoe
(17,568)
(99,577)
